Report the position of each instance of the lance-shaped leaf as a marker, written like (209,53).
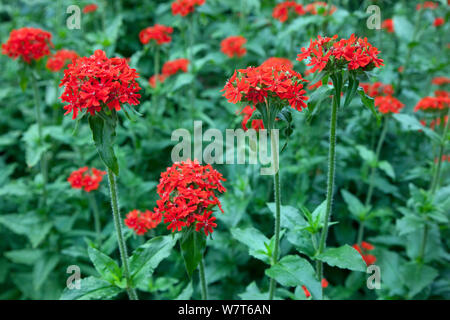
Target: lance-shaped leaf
(344,257)
(91,288)
(193,245)
(292,271)
(368,102)
(104,132)
(106,267)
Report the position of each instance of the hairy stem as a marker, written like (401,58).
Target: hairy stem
(120,239)
(377,157)
(277,195)
(330,185)
(203,285)
(43,160)
(434,185)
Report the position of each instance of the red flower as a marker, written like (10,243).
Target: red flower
(85,178)
(255,84)
(57,61)
(171,67)
(388,24)
(282,10)
(368,258)
(233,46)
(388,104)
(158,33)
(161,79)
(308,294)
(274,61)
(184,7)
(27,43)
(439,81)
(377,89)
(319,7)
(437,103)
(188,195)
(90,8)
(427,5)
(141,222)
(438,22)
(97,82)
(354,52)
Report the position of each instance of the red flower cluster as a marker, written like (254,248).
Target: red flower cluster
(388,24)
(438,22)
(443,159)
(255,84)
(57,61)
(184,7)
(90,8)
(365,246)
(233,46)
(27,43)
(274,61)
(169,68)
(440,81)
(161,79)
(319,7)
(141,222)
(256,123)
(388,104)
(188,195)
(377,89)
(432,104)
(158,33)
(355,53)
(282,10)
(86,178)
(427,5)
(96,82)
(308,294)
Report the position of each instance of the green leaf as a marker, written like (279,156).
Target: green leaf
(187,292)
(182,80)
(387,168)
(147,257)
(292,271)
(42,270)
(106,267)
(367,155)
(344,257)
(368,102)
(410,123)
(350,93)
(31,225)
(254,240)
(91,289)
(419,276)
(34,147)
(193,245)
(104,133)
(252,292)
(354,205)
(24,256)
(290,216)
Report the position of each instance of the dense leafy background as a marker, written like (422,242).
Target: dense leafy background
(37,245)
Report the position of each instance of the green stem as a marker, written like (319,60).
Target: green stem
(156,73)
(330,185)
(43,160)
(203,285)
(120,239)
(360,233)
(276,182)
(95,212)
(377,157)
(434,185)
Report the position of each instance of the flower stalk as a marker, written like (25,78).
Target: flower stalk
(43,159)
(330,181)
(119,232)
(203,285)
